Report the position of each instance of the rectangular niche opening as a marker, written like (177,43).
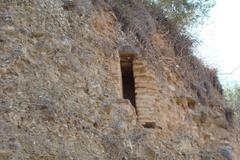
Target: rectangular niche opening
(139,87)
(128,85)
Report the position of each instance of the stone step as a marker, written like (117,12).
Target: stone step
(146,85)
(136,79)
(145,104)
(143,86)
(148,92)
(139,70)
(148,102)
(146,82)
(151,90)
(145,97)
(139,62)
(141,90)
(149,106)
(150,71)
(147,70)
(149,87)
(139,66)
(144,75)
(149,81)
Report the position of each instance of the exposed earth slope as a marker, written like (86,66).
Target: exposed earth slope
(61,87)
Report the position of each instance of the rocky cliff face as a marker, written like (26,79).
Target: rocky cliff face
(61,91)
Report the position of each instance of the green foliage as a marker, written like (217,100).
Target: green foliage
(232,95)
(183,12)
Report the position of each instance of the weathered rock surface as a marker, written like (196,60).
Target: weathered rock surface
(60,96)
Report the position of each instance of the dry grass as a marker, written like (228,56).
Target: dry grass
(135,18)
(144,21)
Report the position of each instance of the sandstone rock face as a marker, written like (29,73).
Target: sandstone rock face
(146,91)
(61,96)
